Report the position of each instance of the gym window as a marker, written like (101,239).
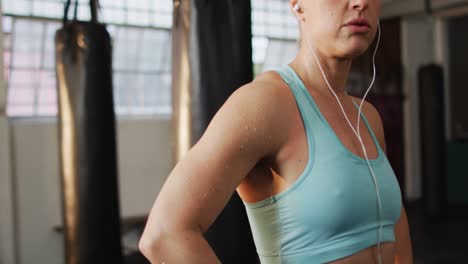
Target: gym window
(141,33)
(141,36)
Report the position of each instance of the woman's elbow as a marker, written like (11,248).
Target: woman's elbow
(149,245)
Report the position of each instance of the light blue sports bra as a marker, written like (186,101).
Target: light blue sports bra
(331,210)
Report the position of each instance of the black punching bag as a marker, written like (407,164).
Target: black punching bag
(88,157)
(222,60)
(431,109)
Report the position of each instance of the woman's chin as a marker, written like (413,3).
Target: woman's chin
(355,50)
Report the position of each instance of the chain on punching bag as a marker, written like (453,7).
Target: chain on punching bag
(87,141)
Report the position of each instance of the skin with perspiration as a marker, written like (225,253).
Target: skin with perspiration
(256,143)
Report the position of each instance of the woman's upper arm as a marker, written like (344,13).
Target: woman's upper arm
(201,184)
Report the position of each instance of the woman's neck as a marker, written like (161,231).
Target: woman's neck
(335,69)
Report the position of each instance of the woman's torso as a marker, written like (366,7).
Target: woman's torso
(275,174)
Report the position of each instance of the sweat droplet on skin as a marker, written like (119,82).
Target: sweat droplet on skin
(212,190)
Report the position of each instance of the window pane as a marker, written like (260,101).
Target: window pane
(279,52)
(19,7)
(129,12)
(125,92)
(49,45)
(127,43)
(141,35)
(47,94)
(47,8)
(140,57)
(275,31)
(154,55)
(113,15)
(137,17)
(27,44)
(274,19)
(21,95)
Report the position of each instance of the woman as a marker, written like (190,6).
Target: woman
(284,144)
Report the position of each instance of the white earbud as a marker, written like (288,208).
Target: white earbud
(297,7)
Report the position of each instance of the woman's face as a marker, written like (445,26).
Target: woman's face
(338,28)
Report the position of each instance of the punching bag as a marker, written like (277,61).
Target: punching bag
(224,51)
(88,157)
(212,57)
(431,90)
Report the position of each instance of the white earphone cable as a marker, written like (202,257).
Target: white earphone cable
(379,236)
(358,134)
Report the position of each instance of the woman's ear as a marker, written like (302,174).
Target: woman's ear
(297,9)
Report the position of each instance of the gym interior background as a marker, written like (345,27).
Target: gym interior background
(421,69)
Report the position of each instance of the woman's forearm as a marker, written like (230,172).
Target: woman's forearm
(178,247)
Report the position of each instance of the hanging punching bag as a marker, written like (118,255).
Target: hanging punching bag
(431,109)
(224,51)
(212,57)
(87,141)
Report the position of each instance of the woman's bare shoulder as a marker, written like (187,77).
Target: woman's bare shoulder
(267,90)
(265,102)
(271,78)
